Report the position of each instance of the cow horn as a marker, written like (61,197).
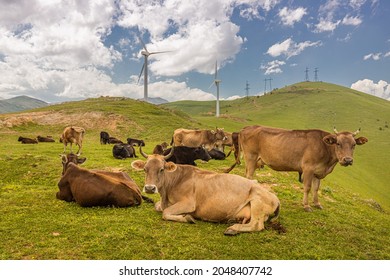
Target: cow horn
(356,132)
(335,130)
(170,153)
(142,152)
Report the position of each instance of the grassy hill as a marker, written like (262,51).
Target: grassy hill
(20,103)
(353,225)
(317,105)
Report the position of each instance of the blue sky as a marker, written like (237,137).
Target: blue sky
(66,50)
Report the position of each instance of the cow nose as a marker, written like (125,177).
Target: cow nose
(348,161)
(150,189)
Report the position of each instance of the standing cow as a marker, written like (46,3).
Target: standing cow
(196,138)
(188,193)
(73,135)
(313,153)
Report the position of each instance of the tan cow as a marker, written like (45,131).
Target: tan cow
(197,138)
(188,193)
(314,153)
(73,135)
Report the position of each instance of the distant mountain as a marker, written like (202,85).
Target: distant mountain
(155,100)
(20,103)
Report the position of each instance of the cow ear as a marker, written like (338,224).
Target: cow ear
(138,165)
(361,140)
(170,166)
(330,139)
(81,160)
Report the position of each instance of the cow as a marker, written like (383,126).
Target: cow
(25,140)
(122,151)
(160,148)
(113,140)
(188,193)
(312,153)
(196,138)
(73,135)
(135,142)
(104,137)
(90,188)
(221,144)
(45,139)
(216,154)
(187,155)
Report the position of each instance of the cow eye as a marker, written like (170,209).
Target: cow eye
(161,170)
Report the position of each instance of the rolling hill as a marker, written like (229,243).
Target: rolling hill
(20,103)
(353,225)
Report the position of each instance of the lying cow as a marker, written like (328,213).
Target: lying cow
(196,138)
(188,193)
(135,142)
(45,139)
(216,154)
(113,140)
(160,148)
(312,153)
(90,188)
(122,151)
(104,137)
(73,135)
(187,155)
(25,140)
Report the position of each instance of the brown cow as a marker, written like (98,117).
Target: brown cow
(73,135)
(314,153)
(188,193)
(96,187)
(196,138)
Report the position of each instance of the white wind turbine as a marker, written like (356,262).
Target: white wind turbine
(144,68)
(216,82)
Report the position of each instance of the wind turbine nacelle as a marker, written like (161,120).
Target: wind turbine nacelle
(146,53)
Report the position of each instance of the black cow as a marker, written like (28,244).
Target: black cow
(135,142)
(25,140)
(122,151)
(217,154)
(113,140)
(187,155)
(104,137)
(45,139)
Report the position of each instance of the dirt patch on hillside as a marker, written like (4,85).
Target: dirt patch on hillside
(91,120)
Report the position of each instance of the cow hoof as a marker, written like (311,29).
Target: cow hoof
(230,232)
(318,206)
(308,209)
(189,219)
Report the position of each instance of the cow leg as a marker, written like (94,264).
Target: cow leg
(316,187)
(251,162)
(178,212)
(256,223)
(307,181)
(79,150)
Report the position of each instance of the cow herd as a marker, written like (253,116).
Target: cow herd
(188,193)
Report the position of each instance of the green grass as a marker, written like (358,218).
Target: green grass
(353,225)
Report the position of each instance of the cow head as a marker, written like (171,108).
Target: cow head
(344,143)
(66,159)
(155,166)
(218,134)
(201,153)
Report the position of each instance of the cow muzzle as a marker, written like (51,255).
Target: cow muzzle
(150,189)
(346,161)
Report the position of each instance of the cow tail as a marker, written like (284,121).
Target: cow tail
(276,225)
(236,145)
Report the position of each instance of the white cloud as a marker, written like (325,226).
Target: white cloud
(374,56)
(326,25)
(290,16)
(350,20)
(273,67)
(290,48)
(380,89)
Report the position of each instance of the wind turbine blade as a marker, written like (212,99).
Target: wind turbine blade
(142,42)
(216,71)
(212,84)
(140,74)
(159,52)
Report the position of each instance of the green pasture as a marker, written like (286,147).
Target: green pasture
(354,223)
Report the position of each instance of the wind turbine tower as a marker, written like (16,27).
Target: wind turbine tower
(247,89)
(144,68)
(216,82)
